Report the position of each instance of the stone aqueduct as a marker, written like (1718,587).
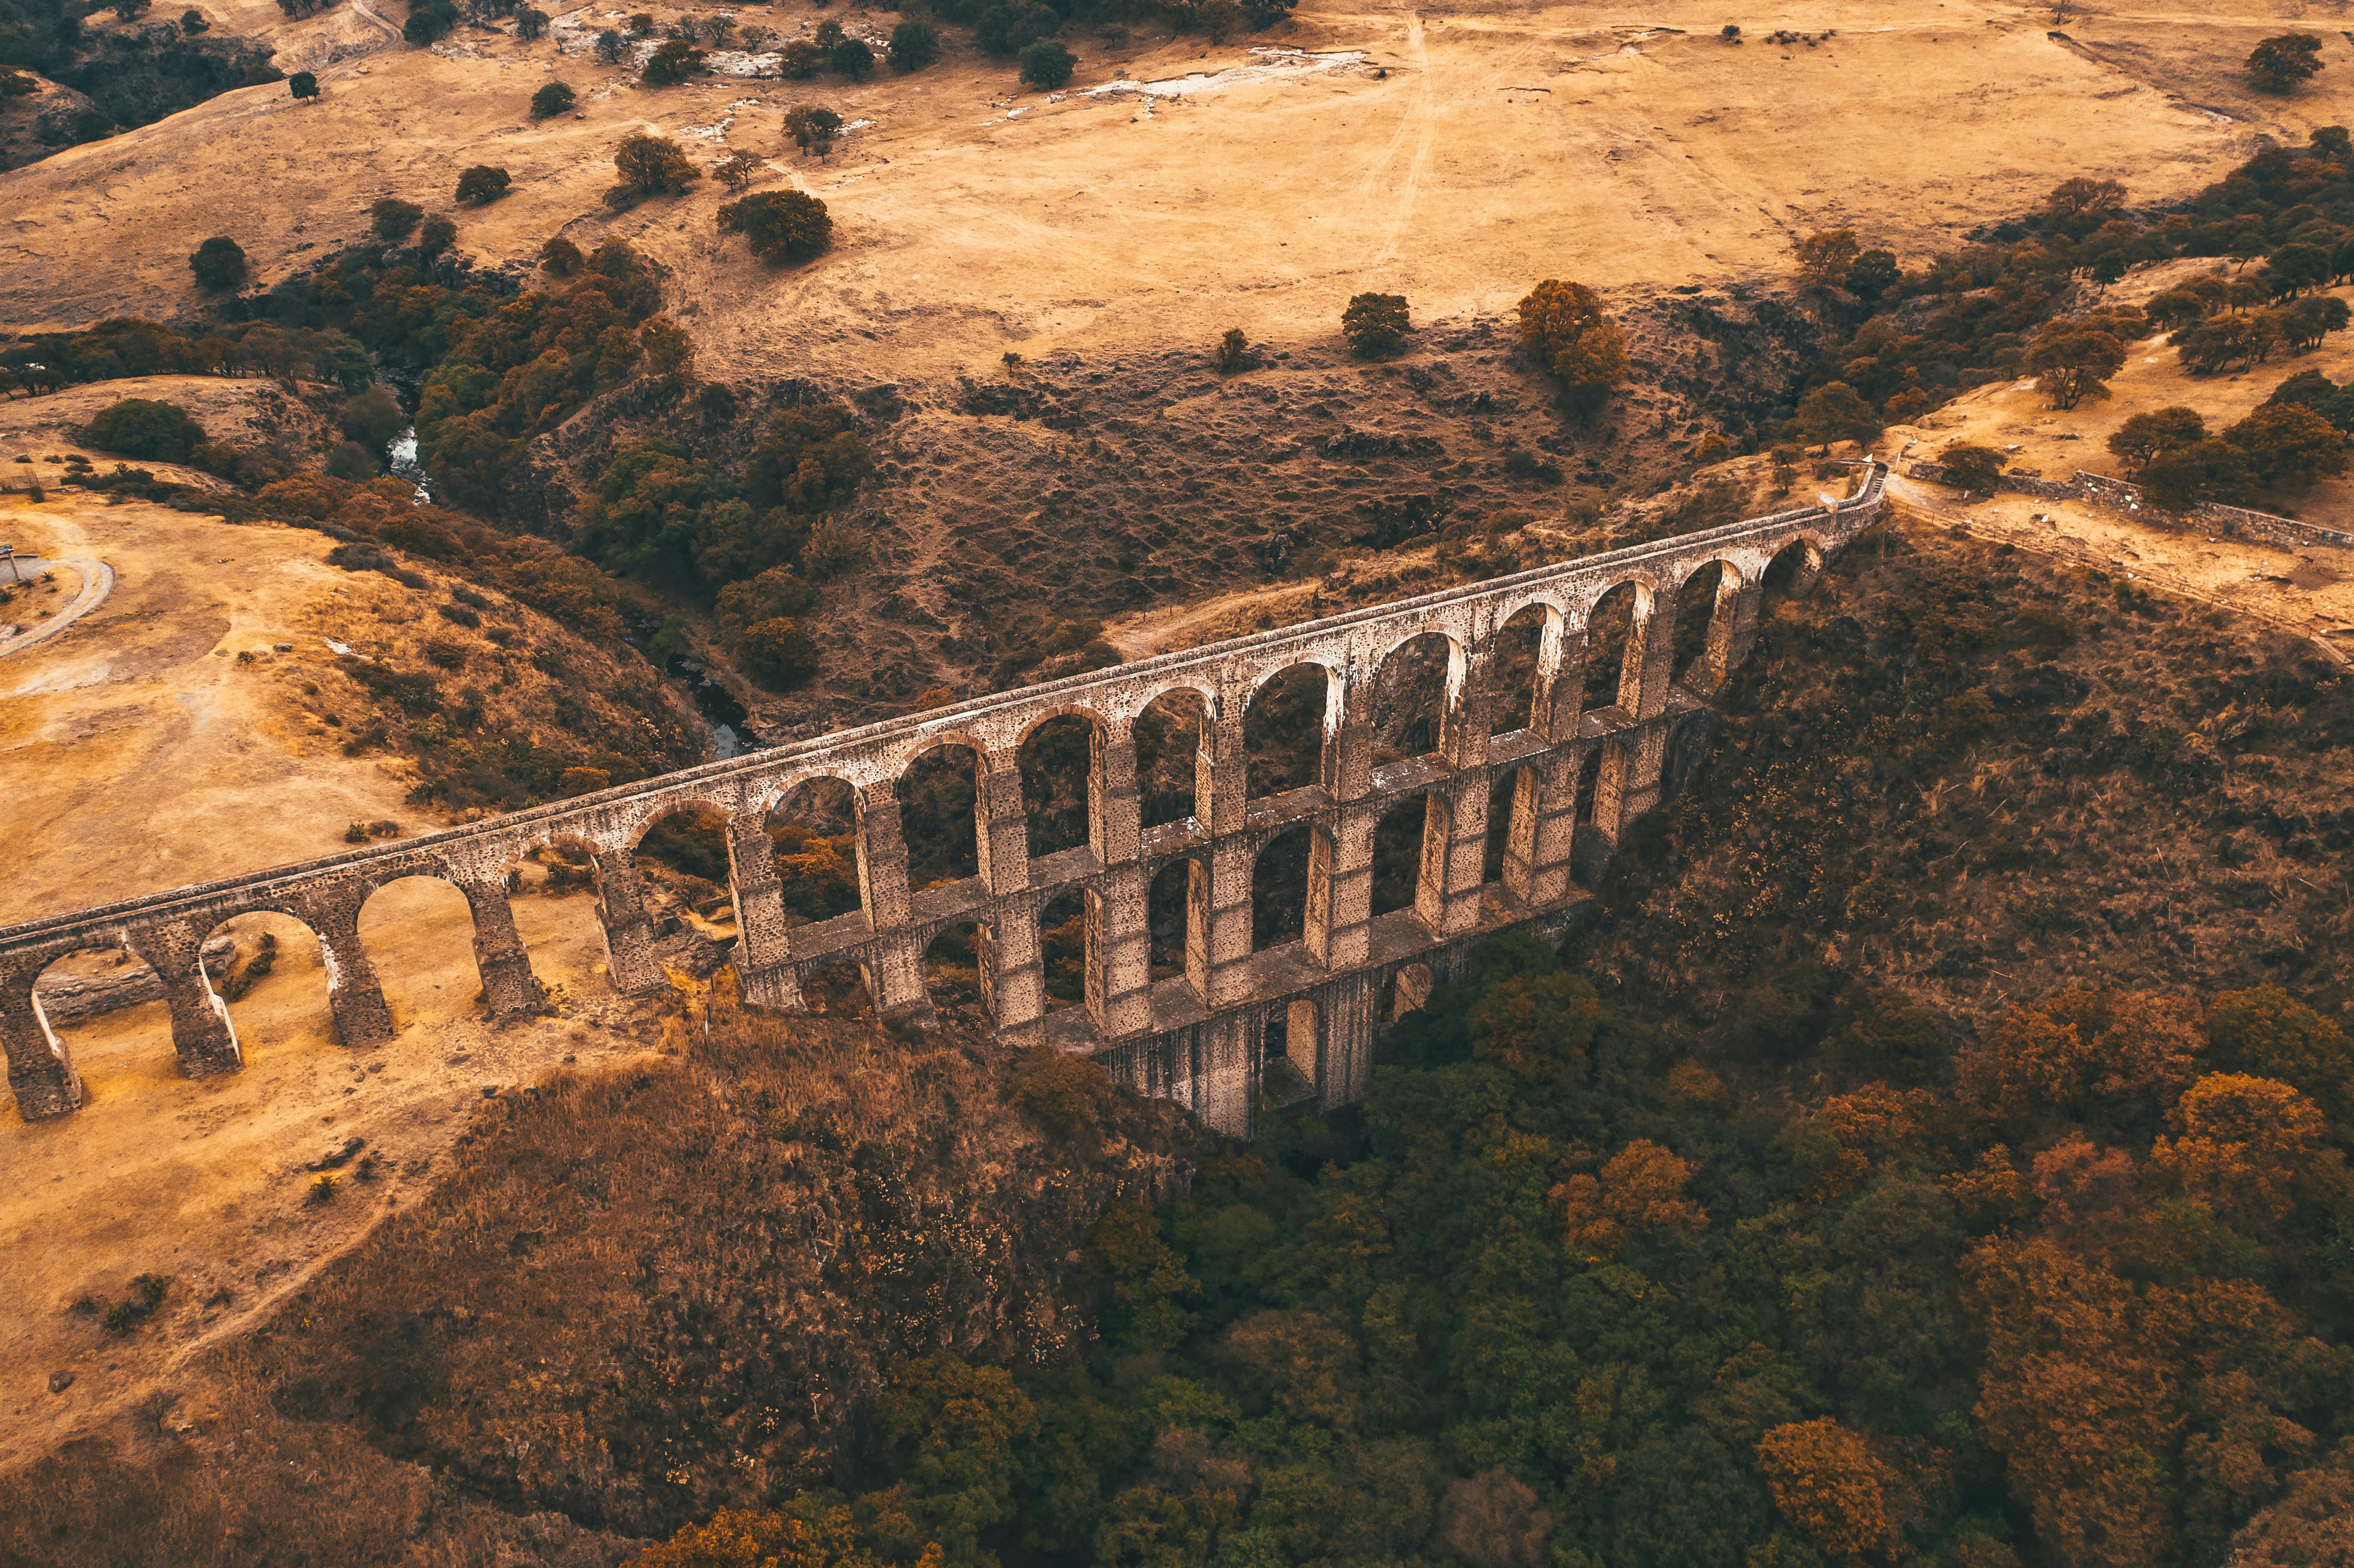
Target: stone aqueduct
(1197,1038)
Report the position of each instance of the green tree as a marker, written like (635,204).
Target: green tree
(739,169)
(2208,469)
(552,98)
(672,61)
(302,85)
(218,264)
(2295,267)
(481,184)
(2145,435)
(649,165)
(436,233)
(955,1431)
(2288,446)
(1375,325)
(2284,61)
(146,428)
(392,220)
(1826,259)
(2073,361)
(531,24)
(784,227)
(1835,411)
(1873,273)
(372,417)
(914,45)
(777,653)
(1046,63)
(609,45)
(1970,468)
(1565,326)
(854,58)
(813,128)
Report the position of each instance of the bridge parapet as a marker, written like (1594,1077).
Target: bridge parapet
(1201,1037)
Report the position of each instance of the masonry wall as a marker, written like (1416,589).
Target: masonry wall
(1198,1038)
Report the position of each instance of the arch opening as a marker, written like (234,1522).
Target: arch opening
(1057,764)
(813,840)
(1589,780)
(1696,609)
(1503,795)
(1788,572)
(953,978)
(1063,948)
(838,987)
(1168,916)
(1280,891)
(682,864)
(1168,736)
(104,1005)
(938,798)
(418,932)
(1513,670)
(267,969)
(1397,855)
(1608,631)
(1410,990)
(1283,730)
(1289,1039)
(1407,711)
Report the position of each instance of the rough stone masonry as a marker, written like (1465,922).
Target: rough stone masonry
(1201,1038)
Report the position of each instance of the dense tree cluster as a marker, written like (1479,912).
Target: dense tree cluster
(114,350)
(1565,326)
(1554,1297)
(1980,314)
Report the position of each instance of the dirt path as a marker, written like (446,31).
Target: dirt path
(97,581)
(361,7)
(2305,593)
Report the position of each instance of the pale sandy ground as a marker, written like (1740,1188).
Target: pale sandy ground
(137,754)
(1503,146)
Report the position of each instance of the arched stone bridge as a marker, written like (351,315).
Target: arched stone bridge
(1197,1038)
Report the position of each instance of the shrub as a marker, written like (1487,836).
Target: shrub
(1047,64)
(1563,325)
(481,184)
(649,165)
(2147,434)
(1971,468)
(218,264)
(783,227)
(303,84)
(1258,15)
(2283,61)
(813,128)
(192,22)
(777,653)
(531,23)
(322,1190)
(429,21)
(436,233)
(852,58)
(351,461)
(914,45)
(1006,30)
(392,220)
(610,45)
(561,257)
(1233,351)
(1375,325)
(552,98)
(145,428)
(672,62)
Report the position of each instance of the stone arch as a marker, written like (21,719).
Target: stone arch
(1707,591)
(1408,991)
(262,949)
(1063,947)
(1290,1038)
(416,930)
(955,965)
(1060,759)
(1610,626)
(1515,665)
(840,986)
(1286,723)
(1413,695)
(1169,732)
(1279,888)
(1169,917)
(1397,855)
(939,789)
(812,827)
(1793,568)
(680,852)
(91,1005)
